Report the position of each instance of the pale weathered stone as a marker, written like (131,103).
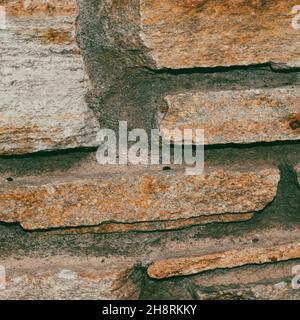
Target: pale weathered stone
(260,291)
(129,196)
(188,34)
(43,84)
(64,277)
(272,281)
(228,259)
(235,116)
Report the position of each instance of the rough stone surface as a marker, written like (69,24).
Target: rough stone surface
(267,281)
(126,84)
(156,226)
(265,230)
(43,83)
(228,259)
(189,34)
(133,195)
(85,219)
(64,277)
(39,7)
(235,116)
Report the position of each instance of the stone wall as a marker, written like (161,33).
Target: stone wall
(72,228)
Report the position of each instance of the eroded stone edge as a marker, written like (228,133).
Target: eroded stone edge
(173,267)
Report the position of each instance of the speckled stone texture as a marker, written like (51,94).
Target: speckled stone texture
(71,278)
(73,229)
(42,80)
(138,52)
(40,7)
(271,281)
(37,260)
(133,195)
(228,259)
(234,116)
(188,34)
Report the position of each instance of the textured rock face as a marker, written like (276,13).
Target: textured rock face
(189,34)
(268,281)
(192,265)
(40,7)
(138,52)
(206,64)
(98,256)
(135,196)
(156,226)
(42,81)
(71,278)
(235,116)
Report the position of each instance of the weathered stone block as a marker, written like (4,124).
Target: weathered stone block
(42,80)
(187,34)
(65,277)
(135,196)
(40,7)
(228,259)
(235,116)
(264,282)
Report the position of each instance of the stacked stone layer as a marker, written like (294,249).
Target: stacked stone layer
(133,197)
(73,67)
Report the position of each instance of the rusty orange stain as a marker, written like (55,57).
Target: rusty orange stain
(36,7)
(57,36)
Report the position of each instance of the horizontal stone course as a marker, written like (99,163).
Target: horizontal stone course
(270,281)
(156,226)
(234,116)
(190,34)
(228,259)
(141,56)
(135,196)
(65,277)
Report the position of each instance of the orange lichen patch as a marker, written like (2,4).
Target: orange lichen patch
(229,259)
(57,36)
(39,7)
